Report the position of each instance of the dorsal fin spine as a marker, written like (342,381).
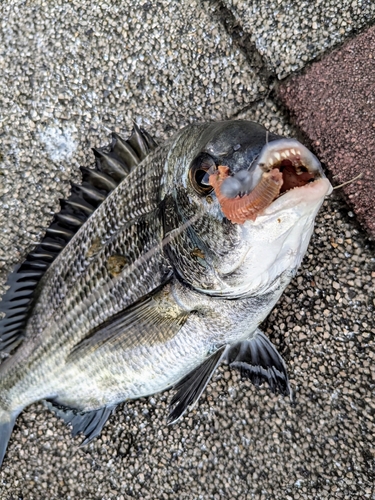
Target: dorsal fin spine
(113,163)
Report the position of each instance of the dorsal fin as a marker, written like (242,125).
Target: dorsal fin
(113,164)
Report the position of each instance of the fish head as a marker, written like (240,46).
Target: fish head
(240,207)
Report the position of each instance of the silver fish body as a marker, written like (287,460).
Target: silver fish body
(157,287)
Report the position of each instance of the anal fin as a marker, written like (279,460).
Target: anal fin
(7,421)
(90,423)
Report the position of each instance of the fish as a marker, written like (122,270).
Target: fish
(159,267)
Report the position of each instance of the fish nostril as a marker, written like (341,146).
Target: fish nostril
(238,185)
(231,187)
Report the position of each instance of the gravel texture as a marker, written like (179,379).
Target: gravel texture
(71,72)
(289,33)
(270,115)
(238,442)
(333,103)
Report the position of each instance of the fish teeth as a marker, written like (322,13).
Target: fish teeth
(278,156)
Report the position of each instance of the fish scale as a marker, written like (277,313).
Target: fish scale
(155,287)
(58,277)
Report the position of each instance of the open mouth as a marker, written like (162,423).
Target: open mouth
(282,165)
(296,163)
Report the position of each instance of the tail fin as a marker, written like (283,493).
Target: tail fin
(7,421)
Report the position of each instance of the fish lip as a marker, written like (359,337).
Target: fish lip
(309,194)
(273,153)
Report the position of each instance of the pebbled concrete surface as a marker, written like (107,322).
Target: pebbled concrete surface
(288,34)
(333,104)
(238,442)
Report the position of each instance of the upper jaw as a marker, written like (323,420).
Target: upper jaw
(299,167)
(288,157)
(290,154)
(304,179)
(274,153)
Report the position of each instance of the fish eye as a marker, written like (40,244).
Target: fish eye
(200,169)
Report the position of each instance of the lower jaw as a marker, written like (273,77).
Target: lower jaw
(310,193)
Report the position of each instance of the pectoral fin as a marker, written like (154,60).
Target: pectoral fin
(153,320)
(190,388)
(259,360)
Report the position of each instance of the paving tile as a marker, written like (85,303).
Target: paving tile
(333,103)
(71,72)
(289,33)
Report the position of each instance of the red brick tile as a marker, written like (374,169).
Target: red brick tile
(333,103)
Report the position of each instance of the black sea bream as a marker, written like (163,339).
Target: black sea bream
(159,267)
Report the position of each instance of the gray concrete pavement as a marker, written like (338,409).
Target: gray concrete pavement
(289,34)
(70,73)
